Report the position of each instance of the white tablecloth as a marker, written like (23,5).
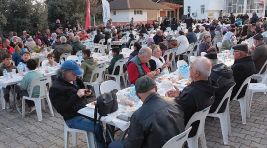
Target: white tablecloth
(164,83)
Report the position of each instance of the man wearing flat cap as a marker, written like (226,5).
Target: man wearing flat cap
(155,122)
(243,67)
(259,53)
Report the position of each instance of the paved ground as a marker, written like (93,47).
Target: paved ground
(16,132)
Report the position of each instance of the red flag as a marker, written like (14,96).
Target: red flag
(88,17)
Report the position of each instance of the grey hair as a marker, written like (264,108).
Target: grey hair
(144,51)
(63,39)
(203,65)
(76,39)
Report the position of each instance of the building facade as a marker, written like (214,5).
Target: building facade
(203,9)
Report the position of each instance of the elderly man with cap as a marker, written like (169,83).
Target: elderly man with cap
(155,122)
(243,67)
(67,95)
(198,95)
(138,66)
(259,53)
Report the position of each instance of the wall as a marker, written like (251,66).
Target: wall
(121,16)
(211,6)
(152,15)
(138,17)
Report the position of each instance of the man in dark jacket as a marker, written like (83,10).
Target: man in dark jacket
(77,45)
(158,37)
(116,57)
(155,122)
(243,67)
(222,79)
(191,36)
(197,95)
(67,95)
(259,55)
(98,36)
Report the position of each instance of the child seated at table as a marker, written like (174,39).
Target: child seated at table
(8,66)
(26,56)
(24,86)
(116,56)
(88,65)
(51,61)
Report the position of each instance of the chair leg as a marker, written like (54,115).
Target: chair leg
(91,140)
(192,142)
(23,108)
(66,138)
(250,97)
(203,141)
(38,107)
(224,127)
(229,121)
(243,111)
(74,138)
(3,102)
(50,106)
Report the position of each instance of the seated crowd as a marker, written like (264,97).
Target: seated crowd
(157,120)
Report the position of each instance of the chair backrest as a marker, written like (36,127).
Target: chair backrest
(44,62)
(121,64)
(79,53)
(190,48)
(64,57)
(169,55)
(109,44)
(102,49)
(98,73)
(201,117)
(263,68)
(247,80)
(102,41)
(178,141)
(41,83)
(73,58)
(132,43)
(108,86)
(226,96)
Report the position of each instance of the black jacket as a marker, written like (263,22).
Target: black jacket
(195,97)
(242,69)
(64,98)
(154,123)
(222,79)
(157,39)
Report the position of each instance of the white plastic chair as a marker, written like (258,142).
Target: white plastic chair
(219,45)
(201,117)
(41,82)
(63,57)
(108,86)
(102,41)
(73,58)
(108,44)
(169,56)
(177,141)
(263,71)
(243,102)
(224,117)
(89,136)
(79,53)
(97,77)
(256,88)
(44,62)
(121,64)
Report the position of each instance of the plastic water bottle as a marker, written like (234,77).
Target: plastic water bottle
(184,71)
(20,68)
(5,74)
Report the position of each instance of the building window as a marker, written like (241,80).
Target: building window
(202,9)
(138,12)
(114,13)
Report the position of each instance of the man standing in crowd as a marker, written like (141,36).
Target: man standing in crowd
(155,122)
(243,67)
(198,95)
(259,53)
